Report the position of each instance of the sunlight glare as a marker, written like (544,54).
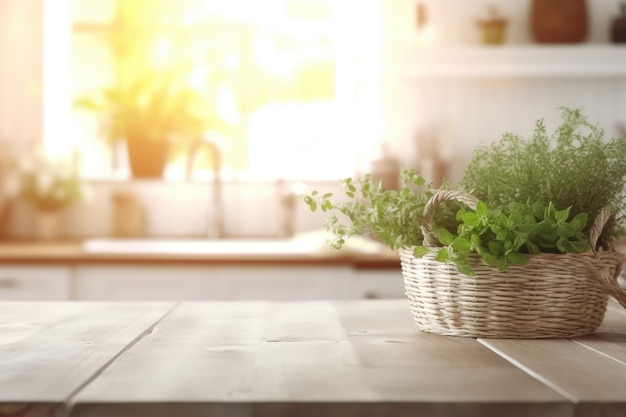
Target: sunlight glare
(161,52)
(268,58)
(285,77)
(227,105)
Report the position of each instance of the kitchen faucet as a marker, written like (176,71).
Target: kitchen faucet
(215,223)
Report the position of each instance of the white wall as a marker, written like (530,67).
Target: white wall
(455,114)
(470,112)
(21,70)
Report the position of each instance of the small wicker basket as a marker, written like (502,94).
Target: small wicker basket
(552,296)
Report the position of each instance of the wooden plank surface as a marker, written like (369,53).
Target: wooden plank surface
(589,370)
(310,359)
(439,375)
(49,351)
(201,351)
(610,339)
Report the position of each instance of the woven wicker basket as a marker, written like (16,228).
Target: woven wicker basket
(553,295)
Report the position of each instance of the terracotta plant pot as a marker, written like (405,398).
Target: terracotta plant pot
(147,158)
(559,21)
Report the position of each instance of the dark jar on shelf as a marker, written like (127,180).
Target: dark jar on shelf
(618,26)
(559,21)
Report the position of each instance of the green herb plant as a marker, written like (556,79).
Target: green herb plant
(534,196)
(394,217)
(502,236)
(575,166)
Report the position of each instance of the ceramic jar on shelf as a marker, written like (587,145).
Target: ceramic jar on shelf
(559,21)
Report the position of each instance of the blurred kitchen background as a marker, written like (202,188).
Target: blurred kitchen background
(256,100)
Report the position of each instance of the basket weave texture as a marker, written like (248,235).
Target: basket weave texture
(552,296)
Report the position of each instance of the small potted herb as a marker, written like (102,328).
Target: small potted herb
(50,184)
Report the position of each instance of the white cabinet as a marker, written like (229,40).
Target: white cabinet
(185,282)
(313,282)
(377,283)
(137,282)
(22,282)
(197,282)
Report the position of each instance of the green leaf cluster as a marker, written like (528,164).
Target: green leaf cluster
(152,106)
(575,166)
(364,207)
(503,236)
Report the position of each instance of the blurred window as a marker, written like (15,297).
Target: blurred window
(288,88)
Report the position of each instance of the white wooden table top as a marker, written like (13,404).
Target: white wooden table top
(352,358)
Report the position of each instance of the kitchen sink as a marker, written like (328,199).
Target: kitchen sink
(309,243)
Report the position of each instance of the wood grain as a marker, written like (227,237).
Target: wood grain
(309,359)
(590,370)
(610,338)
(49,351)
(439,374)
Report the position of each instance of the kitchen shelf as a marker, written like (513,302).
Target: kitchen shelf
(523,61)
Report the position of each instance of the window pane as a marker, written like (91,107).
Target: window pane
(287,88)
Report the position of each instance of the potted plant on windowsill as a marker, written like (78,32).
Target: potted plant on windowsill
(147,113)
(521,248)
(50,184)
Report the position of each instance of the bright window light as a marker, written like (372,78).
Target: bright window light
(292,85)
